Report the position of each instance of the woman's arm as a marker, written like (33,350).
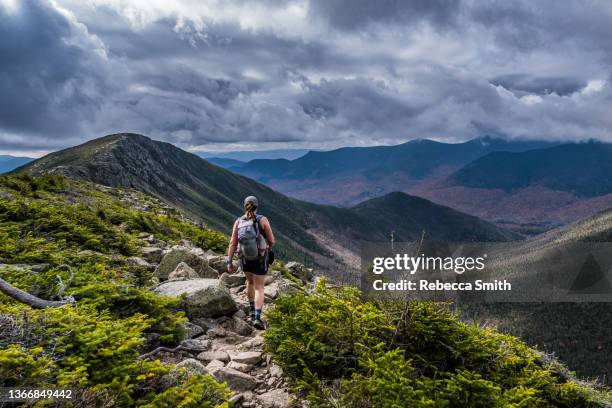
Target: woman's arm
(233,244)
(267,230)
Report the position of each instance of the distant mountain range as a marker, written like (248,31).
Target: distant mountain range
(528,186)
(215,195)
(8,163)
(350,175)
(247,155)
(539,189)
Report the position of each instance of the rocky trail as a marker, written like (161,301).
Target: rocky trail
(220,339)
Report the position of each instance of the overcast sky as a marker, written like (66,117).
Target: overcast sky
(238,74)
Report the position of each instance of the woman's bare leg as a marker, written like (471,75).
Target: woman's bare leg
(250,286)
(259,290)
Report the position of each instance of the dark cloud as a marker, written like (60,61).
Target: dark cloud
(316,74)
(358,14)
(48,83)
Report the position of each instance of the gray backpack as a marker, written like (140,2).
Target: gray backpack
(251,243)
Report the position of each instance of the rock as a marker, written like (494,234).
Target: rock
(240,314)
(255,342)
(235,379)
(216,332)
(275,399)
(270,292)
(244,398)
(193,257)
(196,345)
(202,297)
(183,271)
(182,370)
(300,271)
(275,371)
(217,262)
(214,366)
(244,368)
(152,254)
(38,268)
(214,355)
(192,330)
(206,323)
(191,366)
(239,326)
(271,277)
(247,357)
(139,262)
(233,280)
(143,235)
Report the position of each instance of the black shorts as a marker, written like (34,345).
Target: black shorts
(258,266)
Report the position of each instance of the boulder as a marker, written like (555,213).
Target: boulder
(192,330)
(271,292)
(216,262)
(194,257)
(183,271)
(182,370)
(191,366)
(271,277)
(214,366)
(255,342)
(152,254)
(196,345)
(236,380)
(139,262)
(238,326)
(300,271)
(201,297)
(214,355)
(275,399)
(243,368)
(275,371)
(233,280)
(43,267)
(247,357)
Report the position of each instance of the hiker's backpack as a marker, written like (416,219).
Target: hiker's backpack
(251,242)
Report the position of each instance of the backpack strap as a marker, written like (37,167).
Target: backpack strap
(256,223)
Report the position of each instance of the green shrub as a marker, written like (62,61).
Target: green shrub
(94,345)
(410,354)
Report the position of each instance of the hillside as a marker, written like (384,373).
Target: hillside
(584,169)
(215,196)
(540,188)
(352,174)
(106,346)
(578,332)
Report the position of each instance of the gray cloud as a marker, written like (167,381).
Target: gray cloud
(316,74)
(525,84)
(358,14)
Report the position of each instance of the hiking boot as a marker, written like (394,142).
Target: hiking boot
(259,324)
(252,315)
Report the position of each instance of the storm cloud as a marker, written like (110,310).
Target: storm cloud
(218,75)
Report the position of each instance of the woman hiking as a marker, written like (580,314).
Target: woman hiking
(252,240)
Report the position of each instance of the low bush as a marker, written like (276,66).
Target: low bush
(94,345)
(343,350)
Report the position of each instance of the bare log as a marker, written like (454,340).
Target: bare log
(31,300)
(160,349)
(63,287)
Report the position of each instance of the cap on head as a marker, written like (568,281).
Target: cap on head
(251,199)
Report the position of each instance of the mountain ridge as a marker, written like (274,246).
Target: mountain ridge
(349,175)
(215,195)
